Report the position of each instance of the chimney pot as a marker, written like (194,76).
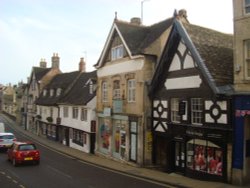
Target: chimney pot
(82,65)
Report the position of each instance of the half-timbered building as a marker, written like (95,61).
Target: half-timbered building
(191,103)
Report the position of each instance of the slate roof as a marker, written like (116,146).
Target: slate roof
(62,81)
(139,37)
(79,94)
(74,90)
(212,51)
(216,50)
(40,72)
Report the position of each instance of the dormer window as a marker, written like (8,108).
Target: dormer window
(51,92)
(117,52)
(44,92)
(58,92)
(247,6)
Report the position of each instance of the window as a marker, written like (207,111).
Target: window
(51,111)
(205,156)
(196,111)
(247,56)
(247,6)
(104,92)
(117,52)
(77,137)
(131,90)
(51,92)
(65,111)
(44,92)
(175,117)
(84,113)
(75,113)
(116,89)
(33,85)
(58,92)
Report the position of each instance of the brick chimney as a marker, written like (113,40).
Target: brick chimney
(55,61)
(43,63)
(82,65)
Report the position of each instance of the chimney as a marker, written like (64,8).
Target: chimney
(55,61)
(43,63)
(135,21)
(182,13)
(82,65)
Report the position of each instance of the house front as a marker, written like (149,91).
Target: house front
(123,71)
(191,104)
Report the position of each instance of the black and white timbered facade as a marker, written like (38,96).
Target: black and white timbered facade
(191,105)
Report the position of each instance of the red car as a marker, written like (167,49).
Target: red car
(23,152)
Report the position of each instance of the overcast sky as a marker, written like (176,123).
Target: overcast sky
(35,29)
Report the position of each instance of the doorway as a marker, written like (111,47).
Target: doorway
(179,157)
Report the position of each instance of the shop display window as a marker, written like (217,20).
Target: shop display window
(105,134)
(204,156)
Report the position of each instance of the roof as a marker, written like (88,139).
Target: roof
(40,72)
(136,37)
(74,90)
(79,93)
(62,81)
(211,50)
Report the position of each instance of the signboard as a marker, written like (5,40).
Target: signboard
(107,112)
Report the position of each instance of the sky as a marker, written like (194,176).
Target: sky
(34,29)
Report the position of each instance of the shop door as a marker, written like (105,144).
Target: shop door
(179,157)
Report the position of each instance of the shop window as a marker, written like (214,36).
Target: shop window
(105,134)
(175,117)
(119,139)
(78,137)
(204,156)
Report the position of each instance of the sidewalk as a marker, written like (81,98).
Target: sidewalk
(161,177)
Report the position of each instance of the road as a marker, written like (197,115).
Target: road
(57,170)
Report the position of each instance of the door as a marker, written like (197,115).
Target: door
(92,143)
(179,157)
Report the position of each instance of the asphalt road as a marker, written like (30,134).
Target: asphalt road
(60,171)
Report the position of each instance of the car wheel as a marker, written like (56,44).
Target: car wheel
(14,162)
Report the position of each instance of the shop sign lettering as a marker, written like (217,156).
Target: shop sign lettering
(241,113)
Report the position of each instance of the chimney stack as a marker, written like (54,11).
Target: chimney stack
(135,21)
(82,65)
(43,63)
(55,61)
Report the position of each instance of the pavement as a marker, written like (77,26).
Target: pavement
(163,178)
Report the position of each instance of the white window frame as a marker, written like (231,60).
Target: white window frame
(247,58)
(65,111)
(75,113)
(58,92)
(104,91)
(175,117)
(131,90)
(116,89)
(84,114)
(117,52)
(196,111)
(51,92)
(44,92)
(247,6)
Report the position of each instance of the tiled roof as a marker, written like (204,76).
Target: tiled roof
(62,81)
(40,72)
(74,90)
(216,50)
(138,37)
(79,94)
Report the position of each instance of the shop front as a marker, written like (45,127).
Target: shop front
(195,152)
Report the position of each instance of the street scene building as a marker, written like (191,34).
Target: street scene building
(172,96)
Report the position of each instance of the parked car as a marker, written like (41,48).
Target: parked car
(6,140)
(23,152)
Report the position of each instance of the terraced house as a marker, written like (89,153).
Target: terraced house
(124,69)
(190,92)
(66,109)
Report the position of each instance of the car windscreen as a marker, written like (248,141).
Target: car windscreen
(26,147)
(6,137)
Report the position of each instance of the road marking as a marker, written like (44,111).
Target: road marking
(59,172)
